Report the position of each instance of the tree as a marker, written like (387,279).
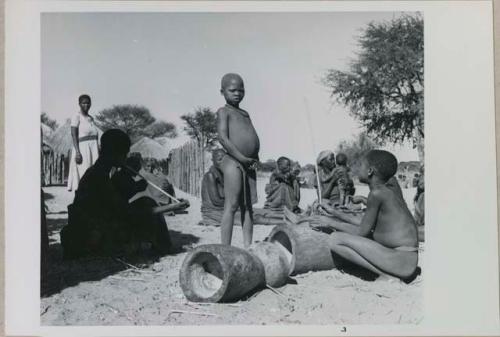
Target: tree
(201,125)
(384,85)
(161,129)
(134,120)
(355,149)
(51,123)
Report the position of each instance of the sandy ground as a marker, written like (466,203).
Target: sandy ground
(110,292)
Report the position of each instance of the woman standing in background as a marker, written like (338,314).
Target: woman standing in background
(85,136)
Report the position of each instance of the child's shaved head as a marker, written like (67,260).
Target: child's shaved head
(384,163)
(217,156)
(341,159)
(226,79)
(282,160)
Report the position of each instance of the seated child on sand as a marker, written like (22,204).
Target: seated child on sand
(238,137)
(282,189)
(152,171)
(212,192)
(385,240)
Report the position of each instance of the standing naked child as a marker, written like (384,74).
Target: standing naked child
(385,240)
(238,137)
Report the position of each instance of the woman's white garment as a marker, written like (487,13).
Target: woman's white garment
(88,148)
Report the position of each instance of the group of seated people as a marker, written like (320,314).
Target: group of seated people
(115,210)
(381,237)
(282,191)
(384,237)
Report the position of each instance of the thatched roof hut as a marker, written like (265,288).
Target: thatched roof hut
(150,148)
(60,140)
(166,142)
(46,133)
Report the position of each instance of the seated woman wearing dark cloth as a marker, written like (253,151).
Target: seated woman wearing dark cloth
(100,220)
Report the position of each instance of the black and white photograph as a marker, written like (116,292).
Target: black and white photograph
(200,166)
(232,168)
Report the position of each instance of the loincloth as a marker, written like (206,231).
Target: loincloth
(406,249)
(249,180)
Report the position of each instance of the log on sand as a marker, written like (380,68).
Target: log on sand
(306,249)
(274,259)
(220,273)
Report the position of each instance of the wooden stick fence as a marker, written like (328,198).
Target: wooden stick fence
(54,168)
(186,168)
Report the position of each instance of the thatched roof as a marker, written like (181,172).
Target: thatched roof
(46,134)
(149,148)
(166,142)
(60,140)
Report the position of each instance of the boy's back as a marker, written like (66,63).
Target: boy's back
(395,226)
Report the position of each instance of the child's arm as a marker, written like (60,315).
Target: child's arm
(370,218)
(358,199)
(223,132)
(340,215)
(322,221)
(367,222)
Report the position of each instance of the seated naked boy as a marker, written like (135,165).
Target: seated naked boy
(282,188)
(212,192)
(238,137)
(385,240)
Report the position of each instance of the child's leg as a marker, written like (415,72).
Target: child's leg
(374,256)
(232,194)
(247,224)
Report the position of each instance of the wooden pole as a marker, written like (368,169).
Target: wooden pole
(308,114)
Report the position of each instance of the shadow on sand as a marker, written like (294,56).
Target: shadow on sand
(61,274)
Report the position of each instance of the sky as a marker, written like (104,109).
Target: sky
(172,63)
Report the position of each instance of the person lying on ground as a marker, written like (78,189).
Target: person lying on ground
(100,219)
(281,189)
(385,240)
(239,139)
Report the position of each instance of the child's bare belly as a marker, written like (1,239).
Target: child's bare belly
(243,135)
(393,238)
